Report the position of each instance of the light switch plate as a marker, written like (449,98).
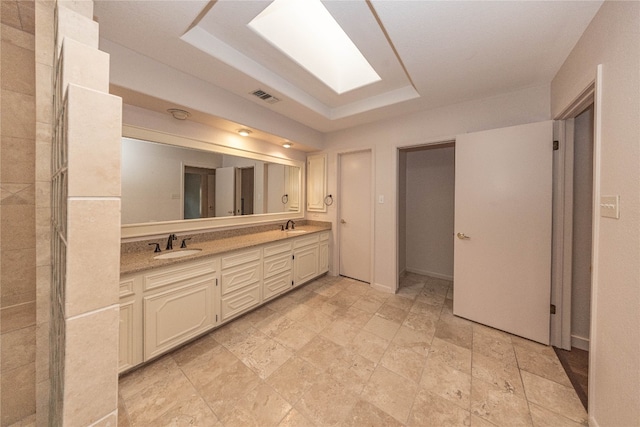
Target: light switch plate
(610,206)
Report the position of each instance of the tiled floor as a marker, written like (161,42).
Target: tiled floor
(336,352)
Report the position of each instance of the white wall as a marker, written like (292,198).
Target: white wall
(430,178)
(152,179)
(613,40)
(161,81)
(384,138)
(582,220)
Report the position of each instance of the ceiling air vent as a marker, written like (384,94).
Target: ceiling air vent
(270,99)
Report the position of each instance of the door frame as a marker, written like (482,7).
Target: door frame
(561,283)
(371,151)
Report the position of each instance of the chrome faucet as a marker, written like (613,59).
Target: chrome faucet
(293,225)
(172,237)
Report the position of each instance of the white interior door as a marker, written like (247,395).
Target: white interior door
(225,191)
(502,251)
(355,215)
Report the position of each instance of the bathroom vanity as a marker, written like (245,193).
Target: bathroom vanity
(166,302)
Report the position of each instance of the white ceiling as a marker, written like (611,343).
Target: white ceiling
(428,53)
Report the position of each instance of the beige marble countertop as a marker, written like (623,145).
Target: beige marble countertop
(135,262)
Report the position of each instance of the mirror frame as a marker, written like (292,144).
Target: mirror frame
(202,224)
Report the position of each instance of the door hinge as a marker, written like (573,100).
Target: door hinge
(553,309)
(292,283)
(216,281)
(556,145)
(293,257)
(216,317)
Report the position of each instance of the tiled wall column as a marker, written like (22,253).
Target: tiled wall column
(86,226)
(17,214)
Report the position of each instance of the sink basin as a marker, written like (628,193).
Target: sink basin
(296,231)
(177,254)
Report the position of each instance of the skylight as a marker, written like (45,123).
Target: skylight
(305,31)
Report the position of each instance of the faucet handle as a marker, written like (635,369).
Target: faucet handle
(157,248)
(183,245)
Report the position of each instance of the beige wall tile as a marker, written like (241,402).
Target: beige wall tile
(93,256)
(17,317)
(44,88)
(17,37)
(10,14)
(42,402)
(91,359)
(20,402)
(17,228)
(43,294)
(43,157)
(44,36)
(43,236)
(75,26)
(94,143)
(18,159)
(18,115)
(84,66)
(18,275)
(42,352)
(27,15)
(18,69)
(18,348)
(17,194)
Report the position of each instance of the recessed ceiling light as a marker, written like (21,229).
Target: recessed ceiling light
(307,33)
(287,145)
(244,132)
(178,113)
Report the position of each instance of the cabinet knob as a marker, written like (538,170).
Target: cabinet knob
(342,221)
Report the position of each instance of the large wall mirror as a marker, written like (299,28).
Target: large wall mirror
(172,184)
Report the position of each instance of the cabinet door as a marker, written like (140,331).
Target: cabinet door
(316,182)
(177,315)
(276,285)
(305,264)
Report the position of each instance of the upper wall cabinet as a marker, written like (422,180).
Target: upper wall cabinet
(316,182)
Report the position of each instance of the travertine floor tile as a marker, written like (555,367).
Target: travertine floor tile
(405,362)
(336,352)
(553,396)
(431,410)
(366,414)
(391,393)
(293,378)
(498,406)
(327,402)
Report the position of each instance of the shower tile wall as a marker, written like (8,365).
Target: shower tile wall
(17,213)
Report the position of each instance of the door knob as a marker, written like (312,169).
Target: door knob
(342,221)
(463,236)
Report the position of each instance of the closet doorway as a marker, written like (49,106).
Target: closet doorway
(426,210)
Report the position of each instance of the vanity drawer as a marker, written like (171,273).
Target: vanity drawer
(277,264)
(324,236)
(238,258)
(277,249)
(177,273)
(306,241)
(276,285)
(235,278)
(240,301)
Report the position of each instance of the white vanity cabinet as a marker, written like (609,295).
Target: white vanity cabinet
(316,182)
(277,269)
(179,303)
(241,276)
(166,306)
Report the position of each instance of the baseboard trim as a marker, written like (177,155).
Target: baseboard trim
(429,273)
(382,288)
(580,342)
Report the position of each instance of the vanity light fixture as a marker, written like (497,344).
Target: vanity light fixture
(287,144)
(244,132)
(178,113)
